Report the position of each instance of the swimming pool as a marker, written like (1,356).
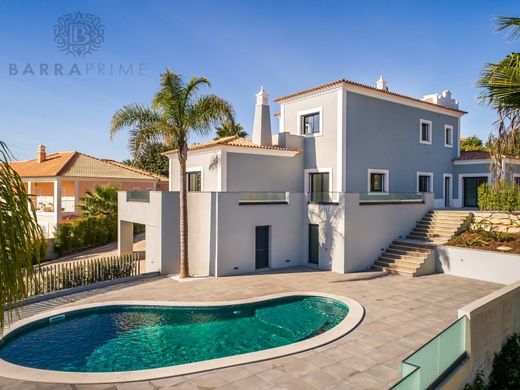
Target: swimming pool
(129,338)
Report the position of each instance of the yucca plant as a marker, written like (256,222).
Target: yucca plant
(21,238)
(103,201)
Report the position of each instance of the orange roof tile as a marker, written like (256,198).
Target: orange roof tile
(233,140)
(76,164)
(52,165)
(337,83)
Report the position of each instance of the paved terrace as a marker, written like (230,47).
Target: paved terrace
(401,315)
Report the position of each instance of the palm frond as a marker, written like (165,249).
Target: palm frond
(133,115)
(208,111)
(21,238)
(505,22)
(501,83)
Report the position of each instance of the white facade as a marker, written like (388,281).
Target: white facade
(321,207)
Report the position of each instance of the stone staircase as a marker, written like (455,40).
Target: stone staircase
(415,255)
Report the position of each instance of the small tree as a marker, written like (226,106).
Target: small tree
(150,159)
(230,128)
(21,238)
(472,143)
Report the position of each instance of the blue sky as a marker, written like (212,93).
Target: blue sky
(421,47)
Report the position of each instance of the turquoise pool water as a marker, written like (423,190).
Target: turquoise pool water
(128,338)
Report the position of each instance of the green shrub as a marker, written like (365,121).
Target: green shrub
(478,384)
(503,196)
(84,233)
(506,366)
(506,369)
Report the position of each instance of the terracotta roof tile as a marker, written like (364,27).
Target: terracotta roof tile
(338,83)
(473,155)
(75,164)
(234,140)
(52,165)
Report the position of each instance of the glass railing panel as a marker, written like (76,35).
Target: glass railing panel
(322,197)
(138,196)
(263,197)
(411,379)
(434,358)
(390,197)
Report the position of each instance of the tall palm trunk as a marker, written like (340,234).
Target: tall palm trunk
(183,203)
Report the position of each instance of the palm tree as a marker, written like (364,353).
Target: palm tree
(230,128)
(103,201)
(21,238)
(501,90)
(177,111)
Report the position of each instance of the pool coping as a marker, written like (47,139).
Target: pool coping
(13,371)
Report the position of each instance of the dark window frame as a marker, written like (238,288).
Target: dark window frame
(427,182)
(316,122)
(197,183)
(323,195)
(382,188)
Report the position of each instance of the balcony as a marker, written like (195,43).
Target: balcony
(249,198)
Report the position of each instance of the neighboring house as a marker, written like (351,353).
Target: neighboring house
(57,181)
(351,168)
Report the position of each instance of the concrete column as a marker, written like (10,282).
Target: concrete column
(76,195)
(125,237)
(57,200)
(29,190)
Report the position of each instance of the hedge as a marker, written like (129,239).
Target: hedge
(501,196)
(83,233)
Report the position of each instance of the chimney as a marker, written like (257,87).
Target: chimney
(262,123)
(382,84)
(41,155)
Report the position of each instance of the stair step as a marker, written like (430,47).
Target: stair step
(407,252)
(402,265)
(428,235)
(408,247)
(403,262)
(420,258)
(421,229)
(415,243)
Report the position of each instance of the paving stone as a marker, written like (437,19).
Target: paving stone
(401,315)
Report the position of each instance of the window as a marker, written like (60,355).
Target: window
(448,136)
(424,183)
(311,123)
(319,187)
(378,180)
(194,181)
(517,180)
(425,132)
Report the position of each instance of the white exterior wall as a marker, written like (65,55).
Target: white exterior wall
(236,233)
(477,264)
(320,150)
(209,161)
(331,222)
(161,217)
(370,228)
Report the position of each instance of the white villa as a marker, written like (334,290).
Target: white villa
(352,169)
